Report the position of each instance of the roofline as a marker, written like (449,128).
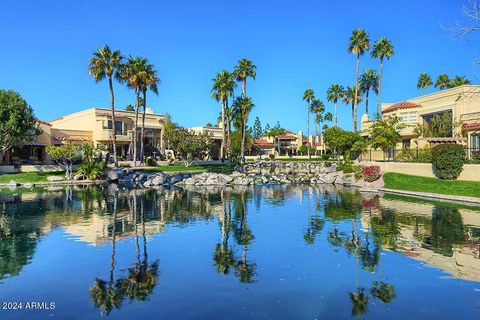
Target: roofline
(102,109)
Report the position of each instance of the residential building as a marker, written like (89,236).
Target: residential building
(289,144)
(95,125)
(420,117)
(215,133)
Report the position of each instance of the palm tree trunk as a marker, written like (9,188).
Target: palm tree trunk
(379,101)
(244,87)
(135,136)
(114,133)
(335,115)
(308,131)
(244,127)
(229,134)
(355,97)
(366,101)
(424,90)
(142,142)
(222,148)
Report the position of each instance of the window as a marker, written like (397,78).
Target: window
(406,144)
(404,116)
(412,117)
(118,127)
(475,145)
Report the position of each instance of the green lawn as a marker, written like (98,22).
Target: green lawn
(25,177)
(423,184)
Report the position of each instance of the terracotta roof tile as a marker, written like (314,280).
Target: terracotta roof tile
(401,105)
(471,125)
(43,122)
(262,143)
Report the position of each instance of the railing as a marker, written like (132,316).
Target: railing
(410,155)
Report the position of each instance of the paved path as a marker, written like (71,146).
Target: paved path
(433,195)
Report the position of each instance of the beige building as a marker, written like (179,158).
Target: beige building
(461,103)
(289,144)
(95,125)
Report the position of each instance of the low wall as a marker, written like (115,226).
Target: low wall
(470,171)
(32,168)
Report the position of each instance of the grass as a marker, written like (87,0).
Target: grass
(25,177)
(407,182)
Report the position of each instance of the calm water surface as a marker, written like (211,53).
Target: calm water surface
(278,252)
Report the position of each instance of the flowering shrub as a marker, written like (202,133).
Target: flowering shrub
(371,173)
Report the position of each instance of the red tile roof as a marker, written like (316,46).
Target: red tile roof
(401,105)
(471,126)
(43,122)
(72,138)
(262,143)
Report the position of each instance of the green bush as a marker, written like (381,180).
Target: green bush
(345,165)
(326,156)
(271,156)
(357,172)
(150,162)
(448,160)
(412,155)
(93,170)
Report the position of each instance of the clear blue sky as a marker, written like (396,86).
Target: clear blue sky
(299,44)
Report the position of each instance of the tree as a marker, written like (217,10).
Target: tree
(309,97)
(65,155)
(257,129)
(359,43)
(340,141)
(424,81)
(382,49)
(129,107)
(443,82)
(334,93)
(188,145)
(106,63)
(384,133)
(243,105)
(18,125)
(243,70)
(349,98)
(267,128)
(150,82)
(168,127)
(223,87)
(369,80)
(458,81)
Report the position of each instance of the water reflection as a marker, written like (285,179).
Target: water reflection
(360,226)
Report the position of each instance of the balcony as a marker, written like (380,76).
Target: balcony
(106,135)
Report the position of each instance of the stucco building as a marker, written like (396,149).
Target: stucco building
(461,104)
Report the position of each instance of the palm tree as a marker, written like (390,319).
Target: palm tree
(150,82)
(317,108)
(358,44)
(443,82)
(274,133)
(424,81)
(309,97)
(244,69)
(223,87)
(106,63)
(133,75)
(382,49)
(369,80)
(243,105)
(459,81)
(335,93)
(349,98)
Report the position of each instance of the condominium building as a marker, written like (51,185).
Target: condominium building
(421,115)
(287,144)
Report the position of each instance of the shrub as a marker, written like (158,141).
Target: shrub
(124,165)
(271,156)
(93,170)
(448,160)
(413,155)
(345,165)
(357,172)
(371,173)
(150,162)
(326,156)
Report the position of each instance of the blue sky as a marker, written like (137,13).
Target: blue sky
(295,45)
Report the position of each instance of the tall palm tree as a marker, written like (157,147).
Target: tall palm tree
(223,87)
(150,82)
(349,98)
(358,44)
(443,82)
(106,63)
(317,108)
(382,49)
(309,97)
(243,105)
(243,70)
(334,93)
(369,80)
(424,81)
(459,81)
(134,76)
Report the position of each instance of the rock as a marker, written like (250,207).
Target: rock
(176,178)
(79,176)
(159,179)
(55,178)
(330,178)
(112,175)
(190,181)
(28,185)
(340,178)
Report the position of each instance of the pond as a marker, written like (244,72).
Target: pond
(271,252)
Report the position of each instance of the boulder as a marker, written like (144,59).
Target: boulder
(190,181)
(55,178)
(12,184)
(79,176)
(330,178)
(28,185)
(112,175)
(176,178)
(159,179)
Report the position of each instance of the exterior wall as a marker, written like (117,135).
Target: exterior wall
(470,172)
